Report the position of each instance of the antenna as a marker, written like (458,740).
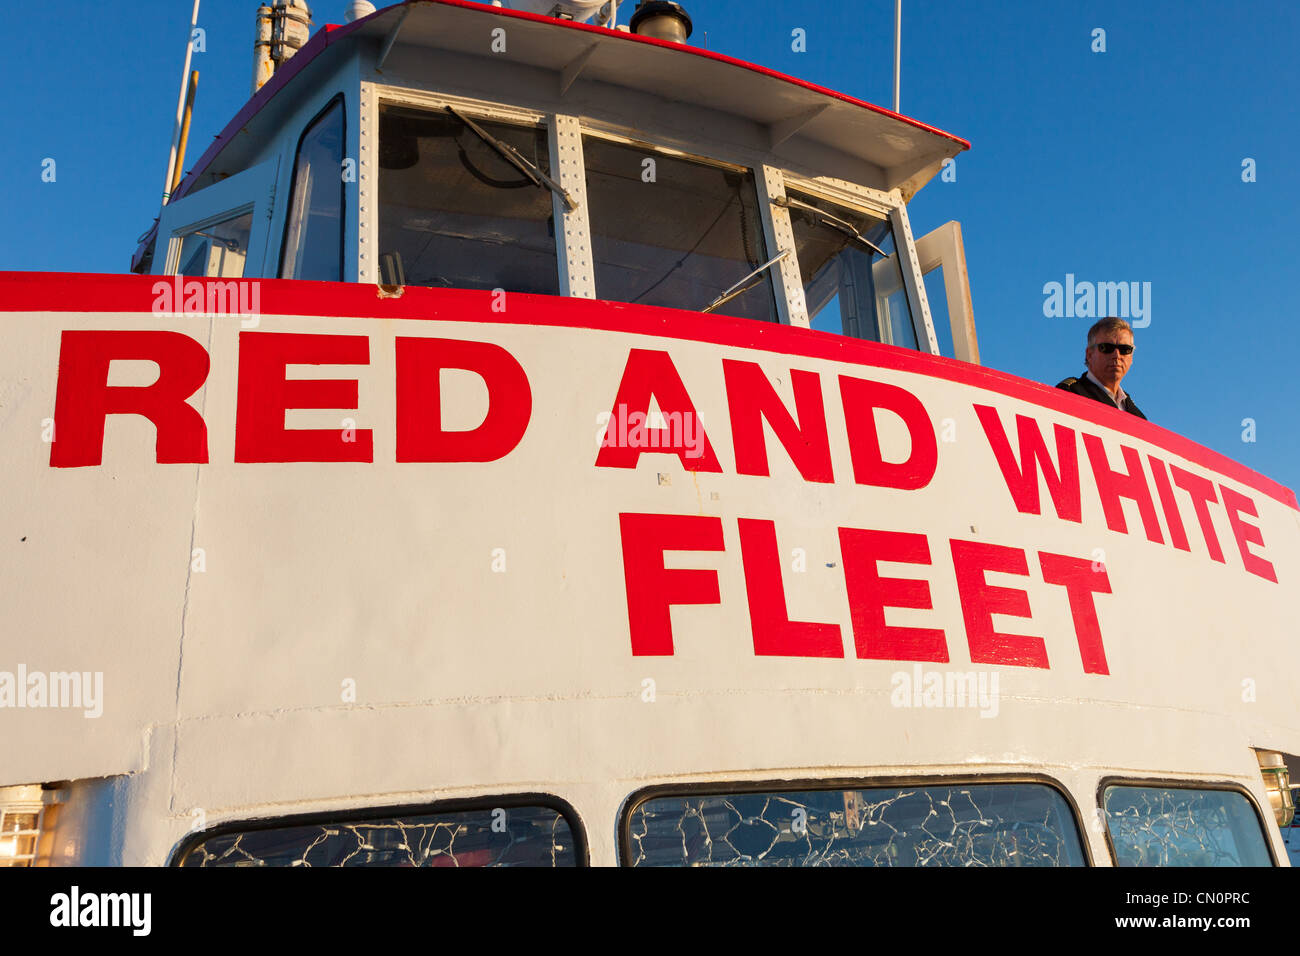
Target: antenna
(898,48)
(283,28)
(180,107)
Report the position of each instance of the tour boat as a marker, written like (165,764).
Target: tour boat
(528,437)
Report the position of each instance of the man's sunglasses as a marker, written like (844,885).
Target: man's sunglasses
(1105,348)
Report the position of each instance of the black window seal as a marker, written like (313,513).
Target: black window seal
(717,788)
(338,99)
(1173,783)
(361,815)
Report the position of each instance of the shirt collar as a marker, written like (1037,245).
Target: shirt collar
(1118,396)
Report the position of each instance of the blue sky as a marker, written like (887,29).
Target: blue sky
(1123,165)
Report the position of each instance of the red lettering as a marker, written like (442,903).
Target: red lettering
(84,399)
(651,373)
(981,600)
(861,398)
(265,394)
(1080,582)
(775,635)
(1246,533)
(420,435)
(1202,493)
(751,399)
(1177,533)
(1022,480)
(652,589)
(1114,485)
(870,594)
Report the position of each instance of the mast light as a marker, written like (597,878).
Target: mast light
(662,19)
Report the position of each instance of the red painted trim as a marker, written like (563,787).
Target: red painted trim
(57,292)
(334,33)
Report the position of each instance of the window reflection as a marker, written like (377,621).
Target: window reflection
(671,231)
(1163,826)
(313,238)
(454,213)
(219,250)
(849,288)
(1017,824)
(515,836)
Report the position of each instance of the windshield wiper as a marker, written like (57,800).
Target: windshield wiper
(834,222)
(737,289)
(517,160)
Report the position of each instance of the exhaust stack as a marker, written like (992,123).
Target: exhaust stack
(661,19)
(358,9)
(283,27)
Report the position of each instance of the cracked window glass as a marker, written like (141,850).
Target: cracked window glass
(501,836)
(1162,826)
(1018,824)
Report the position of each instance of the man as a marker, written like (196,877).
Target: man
(1108,357)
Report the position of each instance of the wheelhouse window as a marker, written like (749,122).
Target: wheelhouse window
(853,283)
(313,238)
(1167,826)
(674,231)
(535,836)
(219,250)
(454,211)
(1003,824)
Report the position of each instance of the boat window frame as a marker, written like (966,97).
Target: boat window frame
(581,846)
(176,240)
(245,192)
(788,294)
(1173,783)
(375,96)
(771,181)
(715,788)
(872,202)
(771,243)
(340,101)
(573,242)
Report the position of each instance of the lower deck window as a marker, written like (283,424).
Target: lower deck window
(1165,826)
(491,836)
(1004,824)
(19,832)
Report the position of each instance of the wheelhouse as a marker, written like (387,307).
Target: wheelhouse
(452,145)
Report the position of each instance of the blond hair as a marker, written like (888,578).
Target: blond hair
(1109,324)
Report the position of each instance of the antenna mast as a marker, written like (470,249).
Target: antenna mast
(898,48)
(180,107)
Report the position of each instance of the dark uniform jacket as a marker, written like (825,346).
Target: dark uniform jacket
(1090,389)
